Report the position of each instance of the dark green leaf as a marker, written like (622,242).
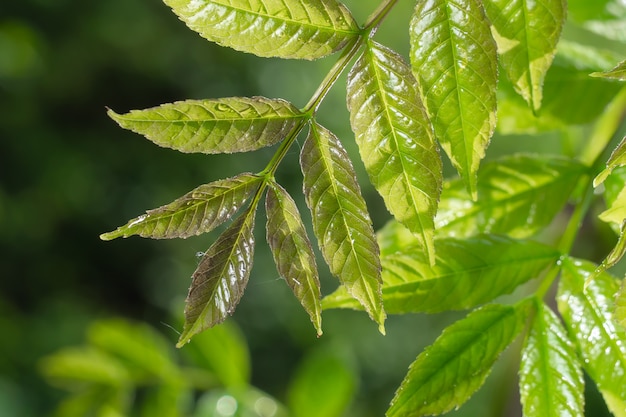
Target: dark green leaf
(551,379)
(454,58)
(271,28)
(340,219)
(468,273)
(292,251)
(617,73)
(395,139)
(221,277)
(449,371)
(197,212)
(617,159)
(225,125)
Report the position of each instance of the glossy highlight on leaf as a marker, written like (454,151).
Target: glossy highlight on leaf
(292,251)
(197,212)
(450,370)
(224,125)
(341,221)
(617,159)
(396,140)
(307,29)
(454,59)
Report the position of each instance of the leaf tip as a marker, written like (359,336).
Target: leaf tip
(381,328)
(108,236)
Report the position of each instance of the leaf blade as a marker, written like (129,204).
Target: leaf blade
(617,73)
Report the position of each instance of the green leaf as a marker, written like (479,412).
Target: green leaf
(341,221)
(551,380)
(395,139)
(517,195)
(617,159)
(468,273)
(199,211)
(620,305)
(526,33)
(292,251)
(600,342)
(607,18)
(449,371)
(617,73)
(616,213)
(221,277)
(454,59)
(308,29)
(394,237)
(224,125)
(617,252)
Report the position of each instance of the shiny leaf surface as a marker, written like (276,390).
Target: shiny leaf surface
(617,73)
(292,251)
(271,28)
(225,125)
(341,221)
(454,59)
(620,305)
(197,212)
(395,139)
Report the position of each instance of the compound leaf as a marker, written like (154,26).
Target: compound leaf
(551,380)
(341,221)
(308,29)
(454,58)
(224,125)
(449,371)
(617,73)
(199,211)
(221,277)
(467,273)
(292,251)
(395,139)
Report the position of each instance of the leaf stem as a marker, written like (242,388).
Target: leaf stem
(376,18)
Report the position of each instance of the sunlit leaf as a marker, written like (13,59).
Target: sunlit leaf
(467,273)
(600,341)
(449,371)
(551,380)
(197,212)
(292,251)
(616,213)
(518,195)
(223,125)
(221,277)
(453,56)
(271,28)
(526,33)
(617,73)
(620,305)
(617,159)
(341,221)
(394,237)
(395,139)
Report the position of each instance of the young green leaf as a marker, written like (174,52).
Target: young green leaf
(617,73)
(221,277)
(340,219)
(518,196)
(617,159)
(292,251)
(199,211)
(449,371)
(551,380)
(468,273)
(224,125)
(395,139)
(588,314)
(454,59)
(308,29)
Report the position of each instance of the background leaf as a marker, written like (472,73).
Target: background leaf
(617,73)
(340,219)
(292,251)
(271,28)
(223,125)
(453,56)
(395,139)
(199,211)
(449,371)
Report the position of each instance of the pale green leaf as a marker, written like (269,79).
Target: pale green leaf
(341,221)
(616,213)
(221,277)
(292,251)
(617,73)
(550,378)
(449,371)
(454,59)
(620,305)
(526,33)
(600,341)
(617,159)
(197,212)
(306,29)
(224,125)
(395,139)
(394,237)
(467,273)
(518,195)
